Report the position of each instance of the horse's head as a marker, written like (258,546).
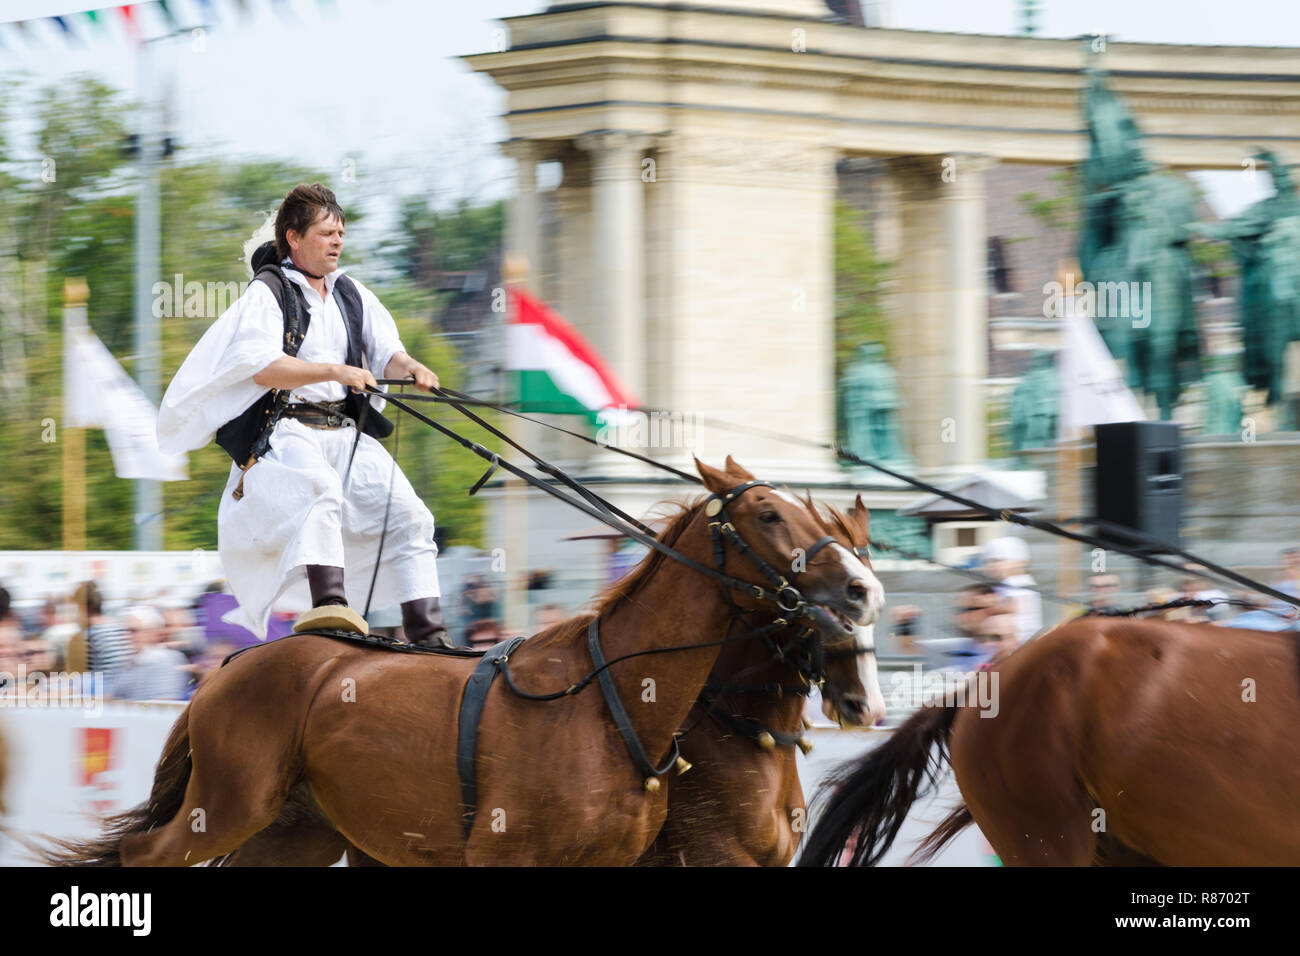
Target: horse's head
(812,566)
(851,693)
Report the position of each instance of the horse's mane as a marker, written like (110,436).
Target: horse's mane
(832,523)
(623,589)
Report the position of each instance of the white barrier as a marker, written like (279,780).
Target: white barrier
(66,765)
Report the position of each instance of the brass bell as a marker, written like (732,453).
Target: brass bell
(651,784)
(766,741)
(682,765)
(805,745)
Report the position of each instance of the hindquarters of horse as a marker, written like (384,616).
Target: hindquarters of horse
(1122,740)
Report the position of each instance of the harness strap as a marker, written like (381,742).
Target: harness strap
(471,710)
(621,720)
(747,726)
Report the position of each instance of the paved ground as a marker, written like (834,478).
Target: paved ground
(834,746)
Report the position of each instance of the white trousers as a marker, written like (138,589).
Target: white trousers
(295,512)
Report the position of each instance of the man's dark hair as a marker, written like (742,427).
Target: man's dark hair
(300,209)
(5,601)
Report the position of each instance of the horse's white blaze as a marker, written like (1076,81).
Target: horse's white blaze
(784,496)
(865,639)
(875,590)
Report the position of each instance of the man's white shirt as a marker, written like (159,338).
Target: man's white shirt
(215,383)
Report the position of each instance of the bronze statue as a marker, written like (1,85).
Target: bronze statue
(869,403)
(1134,250)
(1265,239)
(1034,404)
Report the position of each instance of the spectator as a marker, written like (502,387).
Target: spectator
(484,634)
(1102,591)
(547,615)
(987,618)
(1288,580)
(157,672)
(1196,587)
(207,662)
(10,636)
(1186,615)
(38,655)
(108,646)
(1006,560)
(480,600)
(906,626)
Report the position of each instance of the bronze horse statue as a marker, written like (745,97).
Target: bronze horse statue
(369,740)
(1115,741)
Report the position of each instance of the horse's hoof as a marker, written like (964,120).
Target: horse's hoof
(334,617)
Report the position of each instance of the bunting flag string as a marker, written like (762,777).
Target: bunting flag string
(168,15)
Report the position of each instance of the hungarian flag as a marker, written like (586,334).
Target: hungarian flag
(558,371)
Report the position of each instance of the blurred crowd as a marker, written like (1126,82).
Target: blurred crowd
(152,650)
(994,617)
(161,649)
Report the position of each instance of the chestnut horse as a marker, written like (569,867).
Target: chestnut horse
(1115,741)
(370,739)
(742,804)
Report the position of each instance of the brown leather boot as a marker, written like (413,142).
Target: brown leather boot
(422,623)
(329,603)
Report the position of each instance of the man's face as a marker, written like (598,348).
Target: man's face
(318,251)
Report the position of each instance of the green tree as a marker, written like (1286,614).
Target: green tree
(859,279)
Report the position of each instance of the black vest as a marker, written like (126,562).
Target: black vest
(249,436)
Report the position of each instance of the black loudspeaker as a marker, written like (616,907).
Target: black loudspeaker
(1139,483)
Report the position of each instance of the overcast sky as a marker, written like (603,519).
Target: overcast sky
(378,80)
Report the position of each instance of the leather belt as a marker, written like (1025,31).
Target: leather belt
(320,415)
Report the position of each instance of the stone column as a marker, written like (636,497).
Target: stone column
(523,227)
(619,253)
(940,308)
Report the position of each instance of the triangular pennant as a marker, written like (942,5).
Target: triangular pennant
(167,14)
(128,20)
(93,17)
(65,28)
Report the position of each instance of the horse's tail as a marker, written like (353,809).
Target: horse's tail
(165,800)
(864,803)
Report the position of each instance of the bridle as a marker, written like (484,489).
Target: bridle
(788,599)
(808,659)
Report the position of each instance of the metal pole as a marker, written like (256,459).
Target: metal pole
(148,347)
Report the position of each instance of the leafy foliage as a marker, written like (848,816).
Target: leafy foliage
(81,224)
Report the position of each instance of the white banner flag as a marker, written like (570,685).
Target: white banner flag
(1093,391)
(97,393)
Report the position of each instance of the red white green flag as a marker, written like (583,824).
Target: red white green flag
(557,370)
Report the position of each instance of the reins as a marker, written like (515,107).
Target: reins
(1047,527)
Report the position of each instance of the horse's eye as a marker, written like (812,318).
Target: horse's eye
(769,517)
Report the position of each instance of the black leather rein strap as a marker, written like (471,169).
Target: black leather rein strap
(621,719)
(471,710)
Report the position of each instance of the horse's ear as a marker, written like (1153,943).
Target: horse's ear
(715,480)
(861,516)
(734,469)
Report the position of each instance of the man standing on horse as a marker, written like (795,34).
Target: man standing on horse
(309,491)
